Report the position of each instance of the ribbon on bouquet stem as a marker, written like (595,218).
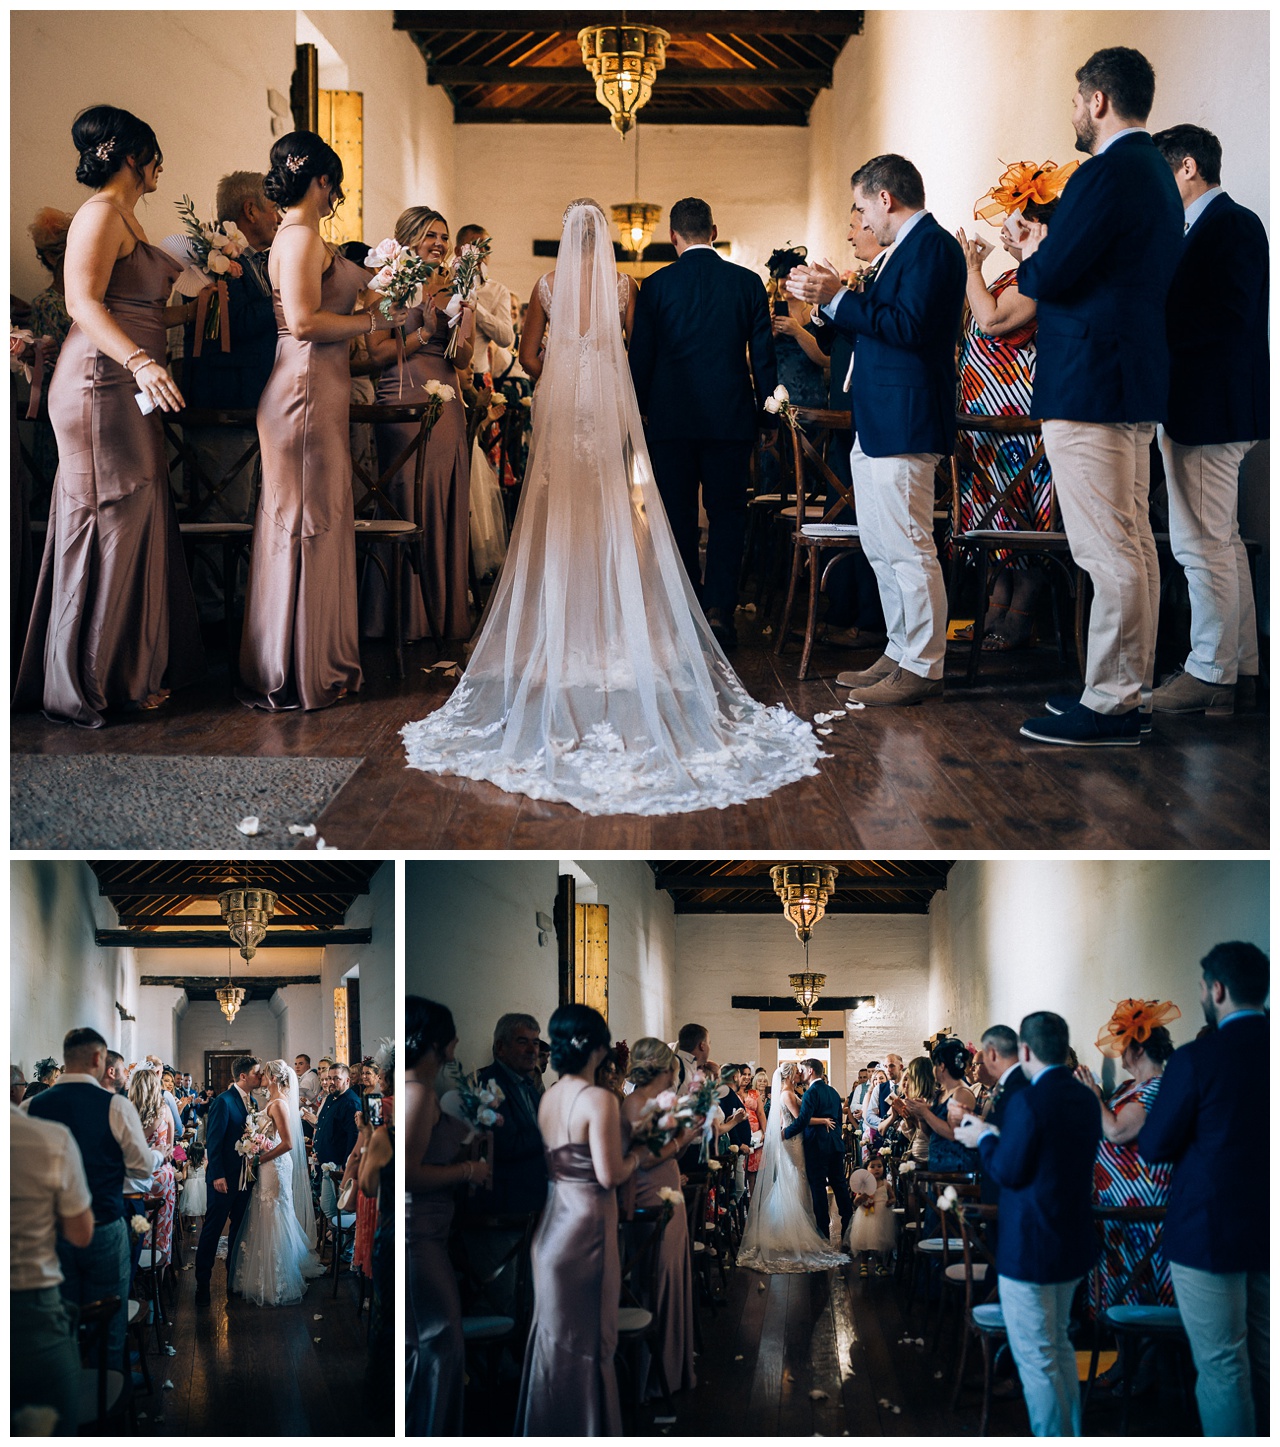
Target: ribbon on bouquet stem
(37,377)
(204,300)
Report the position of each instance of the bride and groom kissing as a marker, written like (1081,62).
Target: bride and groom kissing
(788,1221)
(259,1189)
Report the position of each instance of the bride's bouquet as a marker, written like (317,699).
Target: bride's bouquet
(469,275)
(253,1142)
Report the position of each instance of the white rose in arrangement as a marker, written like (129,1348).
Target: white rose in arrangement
(671,1195)
(781,393)
(385,251)
(382,279)
(771,404)
(235,237)
(217,263)
(713,1166)
(139,1225)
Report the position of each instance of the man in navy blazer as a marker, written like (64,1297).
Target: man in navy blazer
(1210,1120)
(903,399)
(1100,276)
(1042,1160)
(702,399)
(1219,408)
(823,1148)
(226,1201)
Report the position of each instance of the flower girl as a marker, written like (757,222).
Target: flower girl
(872,1228)
(193,1188)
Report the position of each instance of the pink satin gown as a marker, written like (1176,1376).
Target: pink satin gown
(301,644)
(114,620)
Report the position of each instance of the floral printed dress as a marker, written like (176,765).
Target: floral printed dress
(1122,1178)
(166,1190)
(996,375)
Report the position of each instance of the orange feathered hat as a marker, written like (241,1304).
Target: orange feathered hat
(1021,183)
(1134,1020)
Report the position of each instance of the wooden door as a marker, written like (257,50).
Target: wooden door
(353,1019)
(217,1068)
(340,122)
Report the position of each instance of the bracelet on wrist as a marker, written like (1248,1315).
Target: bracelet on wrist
(138,352)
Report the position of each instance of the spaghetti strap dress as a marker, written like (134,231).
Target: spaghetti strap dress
(114,621)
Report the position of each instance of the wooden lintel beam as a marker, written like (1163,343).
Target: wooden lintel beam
(597,115)
(215,982)
(219,940)
(845,883)
(822,1005)
(674,22)
(770,906)
(795,1042)
(672,78)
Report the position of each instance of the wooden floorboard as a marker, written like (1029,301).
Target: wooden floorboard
(950,775)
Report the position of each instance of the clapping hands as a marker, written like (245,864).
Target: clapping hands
(1026,235)
(816,284)
(976,249)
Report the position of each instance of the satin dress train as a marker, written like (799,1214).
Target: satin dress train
(114,620)
(570,1386)
(433,1328)
(301,642)
(674,1305)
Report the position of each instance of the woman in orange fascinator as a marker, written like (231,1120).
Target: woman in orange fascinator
(1138,1036)
(997,369)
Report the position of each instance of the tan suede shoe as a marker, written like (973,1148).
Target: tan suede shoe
(1185,693)
(897,690)
(881,668)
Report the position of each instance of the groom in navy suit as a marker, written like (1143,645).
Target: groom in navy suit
(903,400)
(823,1148)
(226,1201)
(703,363)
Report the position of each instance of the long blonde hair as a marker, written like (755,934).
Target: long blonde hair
(144,1092)
(917,1079)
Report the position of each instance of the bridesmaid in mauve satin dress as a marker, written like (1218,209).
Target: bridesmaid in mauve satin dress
(114,622)
(570,1386)
(301,645)
(433,1340)
(446,483)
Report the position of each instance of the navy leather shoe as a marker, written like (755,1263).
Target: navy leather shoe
(1079,727)
(1060,703)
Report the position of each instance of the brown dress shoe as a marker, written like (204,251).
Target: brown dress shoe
(897,690)
(855,638)
(1184,693)
(881,668)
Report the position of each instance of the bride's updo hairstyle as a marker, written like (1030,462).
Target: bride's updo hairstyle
(427,1026)
(581,201)
(411,224)
(296,160)
(575,1031)
(954,1056)
(107,139)
(278,1070)
(649,1058)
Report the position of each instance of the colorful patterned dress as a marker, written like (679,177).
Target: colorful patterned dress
(996,374)
(1122,1178)
(159,1138)
(756,1119)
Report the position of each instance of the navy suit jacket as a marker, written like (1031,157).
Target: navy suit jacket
(519,1155)
(1016,1082)
(218,379)
(695,322)
(1211,1120)
(819,1140)
(1100,280)
(336,1132)
(225,1126)
(903,393)
(1043,1163)
(1219,358)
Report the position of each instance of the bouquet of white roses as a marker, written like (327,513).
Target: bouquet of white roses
(475,1104)
(780,405)
(253,1142)
(400,275)
(469,275)
(214,247)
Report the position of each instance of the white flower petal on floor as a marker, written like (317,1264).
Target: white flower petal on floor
(249,824)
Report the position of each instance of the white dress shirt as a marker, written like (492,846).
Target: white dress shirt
(140,1161)
(46,1185)
(1128,131)
(309,1087)
(493,314)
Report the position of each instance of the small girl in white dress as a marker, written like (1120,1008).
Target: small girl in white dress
(871,1231)
(193,1188)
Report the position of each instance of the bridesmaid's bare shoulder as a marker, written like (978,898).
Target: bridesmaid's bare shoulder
(98,225)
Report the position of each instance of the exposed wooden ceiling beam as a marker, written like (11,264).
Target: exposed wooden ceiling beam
(786,1003)
(210,889)
(279,939)
(770,906)
(596,115)
(677,78)
(214,982)
(214,921)
(845,883)
(675,22)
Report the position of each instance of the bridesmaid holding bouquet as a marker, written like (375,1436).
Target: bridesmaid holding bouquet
(301,636)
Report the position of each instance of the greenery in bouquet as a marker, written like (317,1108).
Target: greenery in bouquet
(469,275)
(400,275)
(475,1103)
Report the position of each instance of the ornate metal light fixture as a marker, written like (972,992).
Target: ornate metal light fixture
(806,987)
(635,220)
(230,996)
(623,61)
(809,1026)
(247,913)
(805,891)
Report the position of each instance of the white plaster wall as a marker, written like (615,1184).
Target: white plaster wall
(58,976)
(301,1021)
(159,1011)
(255,1030)
(719,956)
(1013,936)
(960,90)
(377,961)
(517,180)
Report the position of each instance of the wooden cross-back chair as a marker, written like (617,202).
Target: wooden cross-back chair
(983,1317)
(982,540)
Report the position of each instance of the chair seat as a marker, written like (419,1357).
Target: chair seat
(89,1393)
(486,1328)
(146,1260)
(899,1211)
(216,530)
(1014,537)
(765,497)
(989,1317)
(955,1272)
(832,532)
(699,1246)
(632,1320)
(811,510)
(134,1308)
(935,1244)
(1146,1319)
(386,527)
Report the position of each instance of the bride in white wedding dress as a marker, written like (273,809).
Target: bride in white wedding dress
(595,678)
(276,1249)
(781,1234)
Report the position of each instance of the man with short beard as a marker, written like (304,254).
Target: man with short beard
(117,1077)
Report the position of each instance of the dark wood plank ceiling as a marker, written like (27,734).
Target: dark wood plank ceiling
(204,988)
(151,895)
(743,886)
(723,67)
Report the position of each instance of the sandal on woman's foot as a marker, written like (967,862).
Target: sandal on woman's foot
(1014,631)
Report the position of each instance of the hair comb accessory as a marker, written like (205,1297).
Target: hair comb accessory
(104,148)
(579,1042)
(294,164)
(1134,1020)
